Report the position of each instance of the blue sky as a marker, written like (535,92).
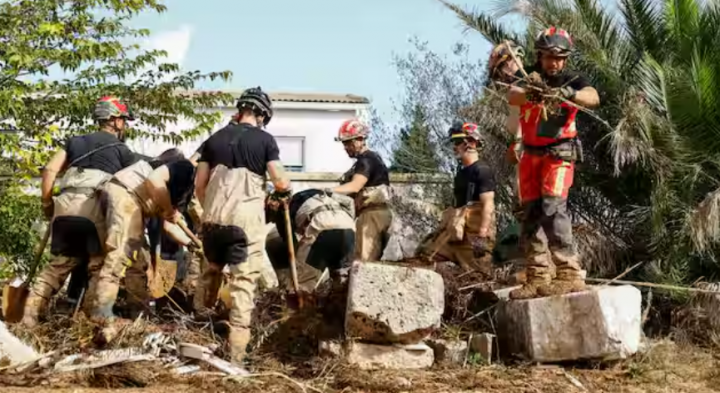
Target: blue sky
(338,46)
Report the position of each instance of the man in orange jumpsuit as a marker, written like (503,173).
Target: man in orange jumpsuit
(550,149)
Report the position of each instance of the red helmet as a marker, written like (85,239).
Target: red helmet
(352,129)
(554,40)
(464,131)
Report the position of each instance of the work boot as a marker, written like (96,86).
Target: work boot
(33,308)
(238,339)
(566,282)
(527,291)
(530,288)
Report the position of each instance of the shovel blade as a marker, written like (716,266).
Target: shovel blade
(162,278)
(13,302)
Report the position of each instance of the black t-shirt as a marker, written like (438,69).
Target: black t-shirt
(182,182)
(109,159)
(370,165)
(471,181)
(240,146)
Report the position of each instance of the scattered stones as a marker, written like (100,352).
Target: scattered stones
(392,304)
(449,351)
(600,323)
(330,348)
(482,344)
(376,357)
(12,350)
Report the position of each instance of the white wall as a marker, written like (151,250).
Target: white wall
(317,127)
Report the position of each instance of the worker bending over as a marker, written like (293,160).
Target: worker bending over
(326,224)
(78,221)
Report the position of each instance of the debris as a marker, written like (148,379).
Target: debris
(102,359)
(574,381)
(189,369)
(198,352)
(594,324)
(374,357)
(330,348)
(449,351)
(482,344)
(392,304)
(12,350)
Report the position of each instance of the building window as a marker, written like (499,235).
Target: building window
(292,152)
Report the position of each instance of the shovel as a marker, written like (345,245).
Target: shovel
(291,253)
(14,295)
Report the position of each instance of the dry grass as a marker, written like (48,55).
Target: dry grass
(283,357)
(665,367)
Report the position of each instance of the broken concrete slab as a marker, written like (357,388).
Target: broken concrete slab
(482,344)
(600,323)
(393,304)
(12,350)
(449,351)
(198,352)
(376,357)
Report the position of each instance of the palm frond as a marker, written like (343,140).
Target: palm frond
(644,26)
(483,24)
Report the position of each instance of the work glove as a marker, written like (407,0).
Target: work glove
(281,196)
(565,92)
(48,209)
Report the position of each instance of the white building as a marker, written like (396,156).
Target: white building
(304,125)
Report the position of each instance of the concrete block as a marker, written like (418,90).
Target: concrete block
(449,351)
(392,304)
(482,344)
(600,323)
(376,357)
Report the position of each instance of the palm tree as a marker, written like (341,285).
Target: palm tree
(651,182)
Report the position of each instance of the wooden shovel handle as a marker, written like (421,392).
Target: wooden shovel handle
(183,226)
(291,253)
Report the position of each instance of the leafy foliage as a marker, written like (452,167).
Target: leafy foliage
(19,215)
(651,180)
(89,43)
(415,151)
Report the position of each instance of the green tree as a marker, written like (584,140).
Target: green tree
(652,177)
(90,44)
(415,151)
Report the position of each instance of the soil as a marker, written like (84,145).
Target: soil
(283,358)
(664,367)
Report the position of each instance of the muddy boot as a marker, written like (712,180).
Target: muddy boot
(238,340)
(529,290)
(566,282)
(33,308)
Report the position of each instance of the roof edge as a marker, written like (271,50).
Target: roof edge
(281,96)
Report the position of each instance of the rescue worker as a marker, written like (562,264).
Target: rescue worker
(231,187)
(134,194)
(326,224)
(467,232)
(502,68)
(368,182)
(550,149)
(78,223)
